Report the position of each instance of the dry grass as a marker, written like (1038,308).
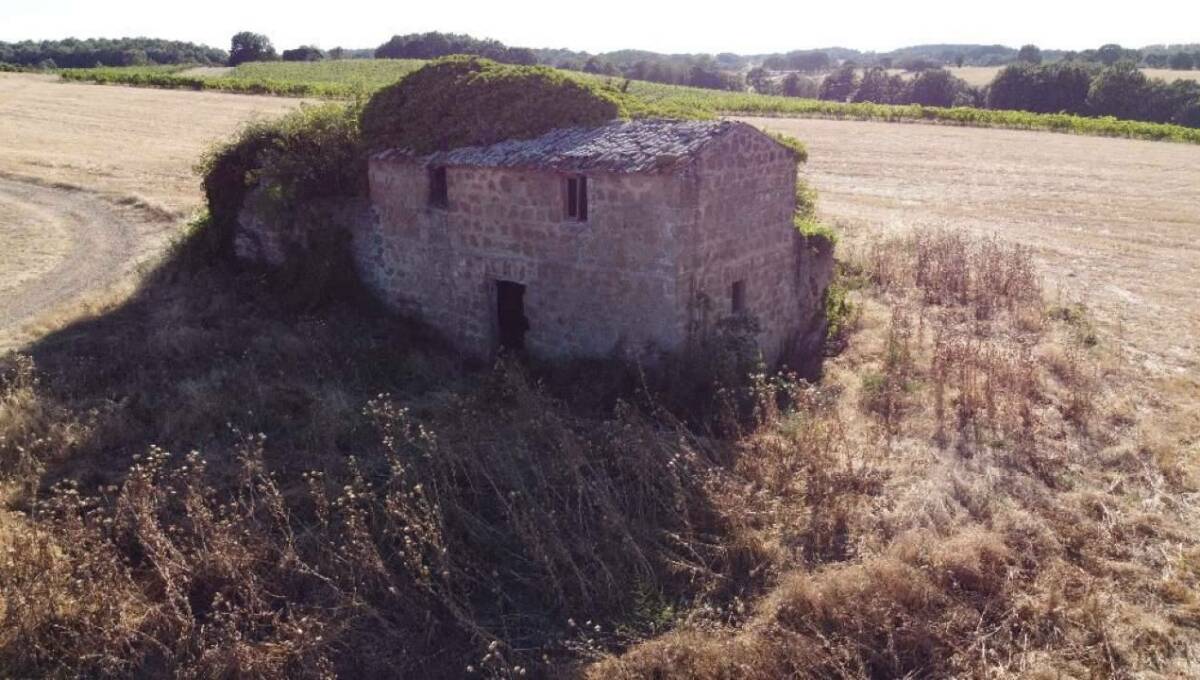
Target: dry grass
(1111,222)
(1009,515)
(979,531)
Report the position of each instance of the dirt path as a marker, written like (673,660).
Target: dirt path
(58,245)
(95,180)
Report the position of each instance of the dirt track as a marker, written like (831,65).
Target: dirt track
(94,180)
(56,244)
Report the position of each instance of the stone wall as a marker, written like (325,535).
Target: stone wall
(270,235)
(744,232)
(594,287)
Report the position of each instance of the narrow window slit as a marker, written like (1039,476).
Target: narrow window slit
(737,297)
(577,198)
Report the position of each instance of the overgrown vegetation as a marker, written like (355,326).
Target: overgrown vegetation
(465,101)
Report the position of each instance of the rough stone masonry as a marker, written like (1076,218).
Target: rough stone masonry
(623,239)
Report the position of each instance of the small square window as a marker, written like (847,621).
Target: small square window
(737,297)
(439,188)
(577,198)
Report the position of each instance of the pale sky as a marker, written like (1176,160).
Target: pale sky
(746,27)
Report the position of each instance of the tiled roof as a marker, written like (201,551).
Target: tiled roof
(620,146)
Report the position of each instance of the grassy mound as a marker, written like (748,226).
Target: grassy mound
(467,101)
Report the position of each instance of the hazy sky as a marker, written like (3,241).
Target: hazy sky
(749,26)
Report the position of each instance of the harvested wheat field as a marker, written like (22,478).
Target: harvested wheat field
(1115,223)
(93,180)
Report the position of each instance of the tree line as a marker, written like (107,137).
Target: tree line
(1121,90)
(75,53)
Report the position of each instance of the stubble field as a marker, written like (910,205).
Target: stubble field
(1114,222)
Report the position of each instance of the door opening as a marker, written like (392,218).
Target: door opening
(510,315)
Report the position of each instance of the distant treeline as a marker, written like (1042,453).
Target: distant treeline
(1121,90)
(74,53)
(432,45)
(721,72)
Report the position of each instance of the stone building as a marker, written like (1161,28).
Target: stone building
(585,242)
(627,238)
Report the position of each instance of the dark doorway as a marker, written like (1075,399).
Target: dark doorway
(510,315)
(439,188)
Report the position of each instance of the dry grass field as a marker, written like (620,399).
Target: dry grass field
(1115,223)
(94,179)
(996,476)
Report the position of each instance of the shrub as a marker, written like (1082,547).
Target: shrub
(312,153)
(466,101)
(792,143)
(303,53)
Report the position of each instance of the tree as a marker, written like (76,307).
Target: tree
(337,53)
(796,85)
(880,88)
(759,79)
(1120,90)
(247,46)
(1156,60)
(936,87)
(1030,54)
(1013,88)
(1109,54)
(303,53)
(1176,102)
(959,59)
(1181,61)
(839,85)
(1063,87)
(600,66)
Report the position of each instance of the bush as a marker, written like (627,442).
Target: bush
(303,53)
(467,101)
(310,154)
